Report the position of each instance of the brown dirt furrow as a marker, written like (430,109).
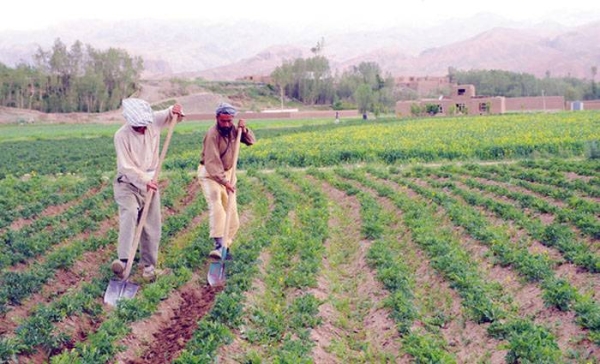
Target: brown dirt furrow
(83,270)
(547,218)
(466,339)
(577,276)
(572,176)
(52,210)
(105,225)
(233,352)
(516,232)
(160,338)
(527,296)
(581,279)
(377,328)
(519,189)
(77,328)
(193,191)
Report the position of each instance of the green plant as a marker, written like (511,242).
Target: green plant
(592,149)
(559,293)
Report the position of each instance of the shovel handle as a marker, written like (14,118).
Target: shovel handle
(147,200)
(231,195)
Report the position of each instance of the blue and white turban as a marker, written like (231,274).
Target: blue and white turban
(137,112)
(225,108)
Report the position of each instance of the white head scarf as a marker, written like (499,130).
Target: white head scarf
(137,112)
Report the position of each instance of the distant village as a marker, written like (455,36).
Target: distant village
(463,99)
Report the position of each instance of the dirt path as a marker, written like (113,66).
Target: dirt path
(346,279)
(161,337)
(230,353)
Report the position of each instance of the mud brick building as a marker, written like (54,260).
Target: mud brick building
(464,101)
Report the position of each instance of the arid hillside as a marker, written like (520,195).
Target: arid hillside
(227,52)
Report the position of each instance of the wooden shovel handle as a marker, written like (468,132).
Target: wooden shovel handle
(231,195)
(147,200)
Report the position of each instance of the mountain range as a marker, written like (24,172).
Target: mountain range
(221,51)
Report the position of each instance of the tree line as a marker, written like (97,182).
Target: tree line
(366,87)
(84,79)
(311,81)
(76,79)
(512,84)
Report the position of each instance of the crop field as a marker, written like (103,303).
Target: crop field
(443,240)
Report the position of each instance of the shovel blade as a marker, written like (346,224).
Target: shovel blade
(118,289)
(216,273)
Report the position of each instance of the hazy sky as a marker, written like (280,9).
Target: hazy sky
(34,14)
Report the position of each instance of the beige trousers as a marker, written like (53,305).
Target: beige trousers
(131,204)
(216,198)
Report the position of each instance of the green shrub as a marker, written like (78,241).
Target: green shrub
(592,149)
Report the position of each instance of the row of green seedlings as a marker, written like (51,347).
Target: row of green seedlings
(26,199)
(557,292)
(484,301)
(570,196)
(344,290)
(37,332)
(583,167)
(389,261)
(53,156)
(283,317)
(102,345)
(553,178)
(17,246)
(579,211)
(281,322)
(581,206)
(78,155)
(557,235)
(18,285)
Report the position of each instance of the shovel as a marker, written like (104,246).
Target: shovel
(122,288)
(216,270)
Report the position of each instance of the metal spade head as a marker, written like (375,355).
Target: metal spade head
(216,270)
(118,289)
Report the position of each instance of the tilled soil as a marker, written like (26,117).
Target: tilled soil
(172,337)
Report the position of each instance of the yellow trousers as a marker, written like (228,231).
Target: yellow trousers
(217,199)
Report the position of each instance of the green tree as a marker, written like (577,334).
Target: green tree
(75,79)
(307,80)
(364,99)
(415,109)
(381,94)
(282,76)
(595,93)
(432,109)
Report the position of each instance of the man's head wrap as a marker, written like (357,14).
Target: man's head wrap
(225,108)
(137,112)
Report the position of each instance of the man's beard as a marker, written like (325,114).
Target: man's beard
(224,131)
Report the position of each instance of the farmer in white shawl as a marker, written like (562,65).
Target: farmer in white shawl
(137,149)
